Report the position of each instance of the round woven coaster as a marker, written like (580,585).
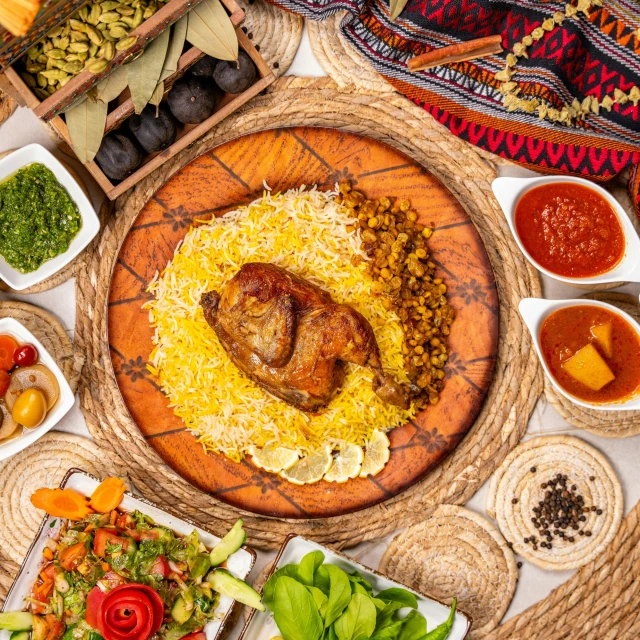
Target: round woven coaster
(7,106)
(43,464)
(47,328)
(517,384)
(551,455)
(344,64)
(609,424)
(275,33)
(456,552)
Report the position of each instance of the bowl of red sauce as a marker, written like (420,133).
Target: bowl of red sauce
(570,229)
(590,350)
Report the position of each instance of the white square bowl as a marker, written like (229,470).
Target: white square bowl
(90,222)
(261,625)
(15,444)
(239,564)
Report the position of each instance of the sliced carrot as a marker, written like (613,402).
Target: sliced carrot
(7,348)
(70,558)
(61,503)
(106,566)
(108,495)
(114,517)
(48,554)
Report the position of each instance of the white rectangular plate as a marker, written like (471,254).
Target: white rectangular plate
(239,564)
(261,626)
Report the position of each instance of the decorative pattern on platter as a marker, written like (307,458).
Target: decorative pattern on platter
(233,174)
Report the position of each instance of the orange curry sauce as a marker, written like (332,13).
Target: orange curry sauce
(570,230)
(568,330)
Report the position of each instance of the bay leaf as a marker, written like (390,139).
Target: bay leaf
(86,127)
(176,44)
(75,103)
(396,7)
(211,30)
(143,73)
(112,86)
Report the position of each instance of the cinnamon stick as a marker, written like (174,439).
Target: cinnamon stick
(470,50)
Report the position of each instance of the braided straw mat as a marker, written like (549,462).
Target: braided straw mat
(551,455)
(517,385)
(609,424)
(456,552)
(274,32)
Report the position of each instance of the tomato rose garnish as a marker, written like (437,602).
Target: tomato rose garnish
(128,612)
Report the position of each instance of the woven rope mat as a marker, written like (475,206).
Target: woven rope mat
(518,380)
(344,64)
(275,33)
(456,552)
(609,424)
(43,464)
(47,328)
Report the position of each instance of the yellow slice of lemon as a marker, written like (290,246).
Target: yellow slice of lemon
(311,468)
(346,464)
(376,456)
(273,460)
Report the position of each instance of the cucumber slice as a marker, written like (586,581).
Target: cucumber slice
(20,635)
(16,621)
(226,584)
(179,611)
(228,545)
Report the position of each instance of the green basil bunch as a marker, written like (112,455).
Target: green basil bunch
(317,601)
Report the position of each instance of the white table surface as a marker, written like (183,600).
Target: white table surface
(534,584)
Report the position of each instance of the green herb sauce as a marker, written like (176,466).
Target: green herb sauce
(38,218)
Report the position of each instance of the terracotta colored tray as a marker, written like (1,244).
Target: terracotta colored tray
(232,174)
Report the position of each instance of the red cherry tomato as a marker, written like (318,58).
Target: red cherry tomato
(26,355)
(8,347)
(5,380)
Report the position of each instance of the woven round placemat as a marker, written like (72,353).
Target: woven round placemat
(274,32)
(517,385)
(601,601)
(47,328)
(515,490)
(344,64)
(43,464)
(609,424)
(456,552)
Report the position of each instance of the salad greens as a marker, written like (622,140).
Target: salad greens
(317,601)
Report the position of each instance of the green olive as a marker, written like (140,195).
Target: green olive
(30,408)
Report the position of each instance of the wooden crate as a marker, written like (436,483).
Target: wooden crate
(118,115)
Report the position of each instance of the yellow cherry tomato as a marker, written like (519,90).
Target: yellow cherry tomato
(30,408)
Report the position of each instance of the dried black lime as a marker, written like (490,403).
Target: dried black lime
(235,77)
(192,100)
(118,156)
(154,130)
(204,67)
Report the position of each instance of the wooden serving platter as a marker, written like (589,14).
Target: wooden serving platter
(233,174)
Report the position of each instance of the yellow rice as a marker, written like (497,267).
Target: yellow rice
(306,232)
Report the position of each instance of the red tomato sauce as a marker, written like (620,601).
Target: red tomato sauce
(568,330)
(570,230)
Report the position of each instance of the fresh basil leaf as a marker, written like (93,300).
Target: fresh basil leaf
(320,599)
(387,615)
(379,604)
(355,577)
(358,620)
(308,566)
(414,626)
(295,611)
(390,632)
(399,595)
(339,593)
(268,591)
(330,634)
(356,587)
(321,580)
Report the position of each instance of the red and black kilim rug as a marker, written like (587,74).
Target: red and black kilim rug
(585,56)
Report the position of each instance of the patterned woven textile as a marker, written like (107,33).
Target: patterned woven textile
(590,51)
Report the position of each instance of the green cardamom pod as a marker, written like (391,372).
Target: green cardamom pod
(63,82)
(78,47)
(73,67)
(109,5)
(83,55)
(77,25)
(42,59)
(71,57)
(110,16)
(54,74)
(41,93)
(93,49)
(33,67)
(124,10)
(118,32)
(83,13)
(78,36)
(137,18)
(54,33)
(94,16)
(33,53)
(28,80)
(125,43)
(94,34)
(109,37)
(41,80)
(56,54)
(64,43)
(109,50)
(98,65)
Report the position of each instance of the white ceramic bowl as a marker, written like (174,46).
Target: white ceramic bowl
(508,192)
(535,311)
(239,564)
(261,625)
(65,401)
(90,222)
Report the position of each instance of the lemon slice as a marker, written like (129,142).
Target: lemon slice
(376,456)
(311,468)
(273,460)
(346,464)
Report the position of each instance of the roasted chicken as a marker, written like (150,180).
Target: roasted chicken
(289,337)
